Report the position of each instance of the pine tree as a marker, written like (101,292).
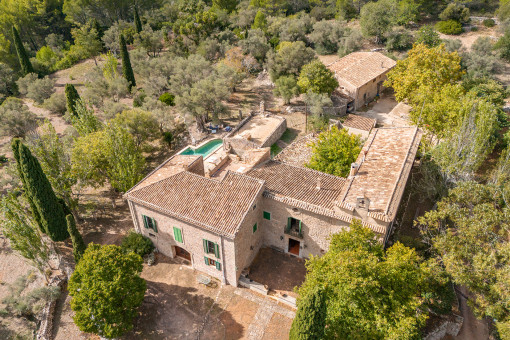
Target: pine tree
(310,319)
(127,71)
(138,22)
(26,65)
(78,244)
(72,97)
(49,211)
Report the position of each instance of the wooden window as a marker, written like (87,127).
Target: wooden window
(254,227)
(211,248)
(267,215)
(211,262)
(150,223)
(178,234)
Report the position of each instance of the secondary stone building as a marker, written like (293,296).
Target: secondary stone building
(220,223)
(361,75)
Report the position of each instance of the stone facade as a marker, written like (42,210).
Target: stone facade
(316,229)
(365,93)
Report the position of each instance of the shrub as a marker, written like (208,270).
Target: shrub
(428,36)
(15,118)
(139,98)
(137,243)
(489,23)
(449,27)
(350,43)
(399,40)
(36,89)
(56,103)
(167,98)
(456,12)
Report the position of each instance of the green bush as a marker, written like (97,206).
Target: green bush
(139,98)
(451,27)
(489,23)
(399,40)
(167,98)
(137,243)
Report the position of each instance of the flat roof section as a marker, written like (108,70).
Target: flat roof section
(259,128)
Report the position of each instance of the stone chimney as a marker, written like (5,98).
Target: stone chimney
(354,169)
(318,187)
(262,107)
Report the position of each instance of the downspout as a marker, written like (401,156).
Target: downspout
(224,280)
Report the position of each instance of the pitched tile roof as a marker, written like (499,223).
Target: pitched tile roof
(359,122)
(299,183)
(219,206)
(385,163)
(359,68)
(171,166)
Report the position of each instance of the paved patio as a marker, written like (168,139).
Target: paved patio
(280,272)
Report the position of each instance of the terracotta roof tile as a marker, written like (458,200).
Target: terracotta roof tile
(384,170)
(219,206)
(359,68)
(359,122)
(299,183)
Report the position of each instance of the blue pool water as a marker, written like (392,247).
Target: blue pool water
(204,150)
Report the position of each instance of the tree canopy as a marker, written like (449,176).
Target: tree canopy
(334,152)
(317,78)
(370,293)
(106,290)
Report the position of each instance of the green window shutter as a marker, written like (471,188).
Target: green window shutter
(206,260)
(299,226)
(288,222)
(217,250)
(255,227)
(218,265)
(267,215)
(144,218)
(155,225)
(205,245)
(177,234)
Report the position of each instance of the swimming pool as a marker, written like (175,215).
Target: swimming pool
(203,150)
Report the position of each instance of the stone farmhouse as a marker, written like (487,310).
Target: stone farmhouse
(219,220)
(361,76)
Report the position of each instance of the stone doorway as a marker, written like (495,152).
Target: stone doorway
(294,246)
(182,253)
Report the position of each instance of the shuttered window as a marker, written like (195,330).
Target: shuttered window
(267,215)
(211,248)
(150,223)
(211,262)
(254,227)
(178,234)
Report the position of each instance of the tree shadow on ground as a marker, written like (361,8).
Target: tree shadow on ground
(175,312)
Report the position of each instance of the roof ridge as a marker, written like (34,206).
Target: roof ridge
(235,173)
(304,168)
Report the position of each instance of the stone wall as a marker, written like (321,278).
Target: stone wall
(45,331)
(239,145)
(277,133)
(316,229)
(450,326)
(247,243)
(193,237)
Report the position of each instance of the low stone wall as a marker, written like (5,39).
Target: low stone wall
(45,331)
(239,145)
(238,126)
(450,326)
(329,110)
(277,133)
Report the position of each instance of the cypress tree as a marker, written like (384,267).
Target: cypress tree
(78,244)
(138,22)
(26,65)
(127,71)
(46,207)
(310,319)
(72,97)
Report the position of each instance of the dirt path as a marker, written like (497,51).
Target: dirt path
(467,39)
(472,328)
(57,121)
